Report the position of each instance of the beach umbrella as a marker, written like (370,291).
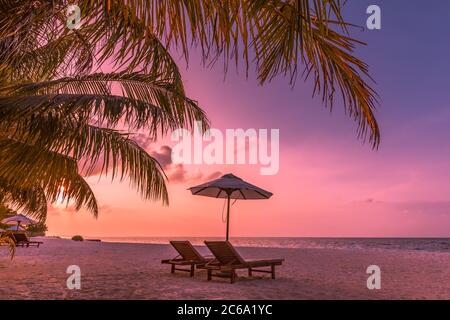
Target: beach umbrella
(16,228)
(19,219)
(230,187)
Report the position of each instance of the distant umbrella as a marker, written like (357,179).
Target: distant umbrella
(230,187)
(16,228)
(19,219)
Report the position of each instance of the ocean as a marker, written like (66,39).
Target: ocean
(421,244)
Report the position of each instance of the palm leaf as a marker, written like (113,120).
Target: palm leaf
(284,36)
(29,198)
(23,165)
(146,101)
(5,240)
(55,112)
(116,153)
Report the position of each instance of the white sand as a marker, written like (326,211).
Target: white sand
(134,271)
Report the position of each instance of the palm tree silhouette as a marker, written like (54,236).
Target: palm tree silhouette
(60,116)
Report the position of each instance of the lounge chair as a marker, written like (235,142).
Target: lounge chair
(228,261)
(22,240)
(187,256)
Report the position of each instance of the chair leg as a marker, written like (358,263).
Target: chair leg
(209,274)
(250,272)
(273,271)
(172,270)
(233,276)
(192,269)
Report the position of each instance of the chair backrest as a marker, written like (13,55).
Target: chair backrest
(187,250)
(20,237)
(224,252)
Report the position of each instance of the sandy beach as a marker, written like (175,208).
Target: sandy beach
(134,271)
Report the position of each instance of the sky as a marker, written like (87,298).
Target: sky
(329,183)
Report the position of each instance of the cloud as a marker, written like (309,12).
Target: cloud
(164,156)
(177,173)
(214,175)
(142,140)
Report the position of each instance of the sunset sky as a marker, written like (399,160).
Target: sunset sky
(329,183)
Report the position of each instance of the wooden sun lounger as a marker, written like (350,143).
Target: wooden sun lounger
(187,256)
(22,240)
(228,261)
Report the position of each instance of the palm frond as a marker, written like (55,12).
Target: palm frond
(6,240)
(68,54)
(287,37)
(23,165)
(114,151)
(55,112)
(29,198)
(146,101)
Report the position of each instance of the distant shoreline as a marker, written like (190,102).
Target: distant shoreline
(356,243)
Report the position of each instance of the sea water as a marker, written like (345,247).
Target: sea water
(422,244)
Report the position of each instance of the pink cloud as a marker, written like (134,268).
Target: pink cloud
(177,173)
(163,156)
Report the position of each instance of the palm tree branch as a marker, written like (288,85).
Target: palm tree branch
(150,101)
(90,145)
(23,165)
(29,198)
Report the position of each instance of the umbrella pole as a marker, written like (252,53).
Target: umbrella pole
(228,214)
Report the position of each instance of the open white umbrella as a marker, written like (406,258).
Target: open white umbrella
(230,187)
(19,219)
